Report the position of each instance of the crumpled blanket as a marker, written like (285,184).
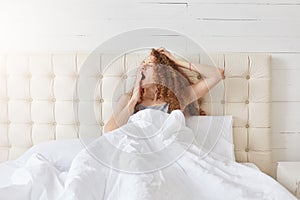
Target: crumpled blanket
(151,157)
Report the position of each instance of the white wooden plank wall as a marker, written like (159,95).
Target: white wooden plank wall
(271,26)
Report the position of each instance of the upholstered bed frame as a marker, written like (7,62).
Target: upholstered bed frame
(37,99)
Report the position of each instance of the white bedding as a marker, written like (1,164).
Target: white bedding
(151,157)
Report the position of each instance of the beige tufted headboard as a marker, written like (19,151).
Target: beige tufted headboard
(36,99)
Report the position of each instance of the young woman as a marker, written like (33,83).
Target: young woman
(161,84)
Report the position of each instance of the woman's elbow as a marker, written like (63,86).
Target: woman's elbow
(220,74)
(107,127)
(105,130)
(110,126)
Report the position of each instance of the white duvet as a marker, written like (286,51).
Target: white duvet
(152,157)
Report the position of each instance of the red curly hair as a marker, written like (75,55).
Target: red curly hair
(170,81)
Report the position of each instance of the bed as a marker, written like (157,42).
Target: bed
(40,110)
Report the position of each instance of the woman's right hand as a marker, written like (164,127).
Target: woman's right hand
(137,88)
(167,53)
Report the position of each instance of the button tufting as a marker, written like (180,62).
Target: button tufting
(53,99)
(54,123)
(101,100)
(29,76)
(101,123)
(124,76)
(247,101)
(247,125)
(8,122)
(52,75)
(30,99)
(199,77)
(31,123)
(101,76)
(248,77)
(247,149)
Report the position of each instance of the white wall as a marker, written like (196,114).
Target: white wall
(271,26)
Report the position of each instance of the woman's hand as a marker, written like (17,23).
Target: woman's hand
(137,88)
(167,53)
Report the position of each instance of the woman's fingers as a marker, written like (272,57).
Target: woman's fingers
(138,79)
(137,87)
(162,50)
(167,53)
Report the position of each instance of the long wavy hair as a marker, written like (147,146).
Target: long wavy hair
(170,81)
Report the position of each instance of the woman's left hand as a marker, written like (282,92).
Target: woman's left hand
(167,53)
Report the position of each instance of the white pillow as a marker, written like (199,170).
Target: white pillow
(213,134)
(59,152)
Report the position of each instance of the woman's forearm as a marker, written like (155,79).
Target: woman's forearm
(205,70)
(121,118)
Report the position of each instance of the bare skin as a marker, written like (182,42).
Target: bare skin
(125,106)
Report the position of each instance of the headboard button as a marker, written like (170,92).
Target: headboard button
(54,123)
(124,76)
(248,77)
(101,100)
(101,123)
(199,77)
(247,125)
(53,99)
(247,149)
(100,76)
(247,101)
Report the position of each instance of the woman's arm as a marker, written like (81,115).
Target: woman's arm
(125,107)
(212,75)
(121,114)
(205,70)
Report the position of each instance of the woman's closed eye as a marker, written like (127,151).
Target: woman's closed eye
(145,62)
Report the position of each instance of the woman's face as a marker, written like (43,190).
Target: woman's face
(146,68)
